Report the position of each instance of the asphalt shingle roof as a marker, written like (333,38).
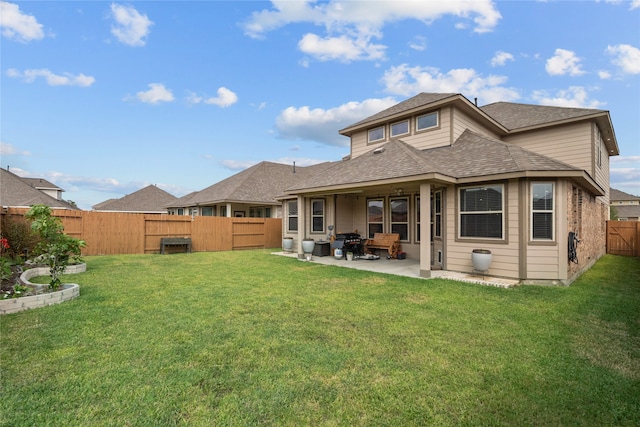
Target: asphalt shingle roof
(472,155)
(516,116)
(617,195)
(15,192)
(147,199)
(261,183)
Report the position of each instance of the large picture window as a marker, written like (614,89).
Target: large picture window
(481,212)
(292,215)
(400,217)
(375,216)
(542,211)
(317,216)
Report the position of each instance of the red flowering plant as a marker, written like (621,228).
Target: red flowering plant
(5,264)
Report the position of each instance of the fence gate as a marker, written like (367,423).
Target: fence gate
(248,233)
(623,238)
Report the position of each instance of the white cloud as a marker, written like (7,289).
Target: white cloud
(224,99)
(418,43)
(574,96)
(604,74)
(8,150)
(342,48)
(351,26)
(322,125)
(66,79)
(236,165)
(408,81)
(627,58)
(17,25)
(634,4)
(156,94)
(501,58)
(130,26)
(564,62)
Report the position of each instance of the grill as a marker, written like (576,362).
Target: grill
(349,242)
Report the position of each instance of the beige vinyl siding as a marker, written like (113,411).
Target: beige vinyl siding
(542,262)
(601,171)
(505,257)
(569,143)
(437,137)
(462,122)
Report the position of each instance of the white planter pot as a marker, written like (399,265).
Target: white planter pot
(349,256)
(481,259)
(338,254)
(287,244)
(307,246)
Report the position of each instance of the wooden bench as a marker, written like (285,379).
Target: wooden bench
(388,241)
(175,241)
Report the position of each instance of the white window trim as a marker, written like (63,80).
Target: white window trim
(437,114)
(552,211)
(377,199)
(376,140)
(502,212)
(393,135)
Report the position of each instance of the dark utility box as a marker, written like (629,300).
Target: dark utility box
(322,249)
(402,255)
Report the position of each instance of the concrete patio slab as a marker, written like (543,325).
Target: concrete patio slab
(405,267)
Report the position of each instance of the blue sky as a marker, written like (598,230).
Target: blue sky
(104,98)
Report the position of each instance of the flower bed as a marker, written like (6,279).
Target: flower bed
(67,292)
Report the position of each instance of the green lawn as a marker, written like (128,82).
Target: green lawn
(248,338)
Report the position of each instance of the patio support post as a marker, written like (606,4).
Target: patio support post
(229,213)
(302,225)
(425,230)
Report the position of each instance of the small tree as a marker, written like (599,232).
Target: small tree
(56,247)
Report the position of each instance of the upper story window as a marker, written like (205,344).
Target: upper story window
(376,134)
(542,211)
(427,121)
(481,212)
(400,128)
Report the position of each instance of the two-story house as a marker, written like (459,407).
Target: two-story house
(529,183)
(627,206)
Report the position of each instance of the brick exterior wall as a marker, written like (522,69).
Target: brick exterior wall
(587,216)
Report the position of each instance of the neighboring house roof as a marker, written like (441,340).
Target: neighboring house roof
(471,157)
(41,184)
(149,199)
(260,184)
(621,196)
(15,192)
(628,211)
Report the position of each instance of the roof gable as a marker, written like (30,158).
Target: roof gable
(260,184)
(617,196)
(472,155)
(15,192)
(147,199)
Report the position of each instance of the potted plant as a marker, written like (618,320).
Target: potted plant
(481,259)
(349,256)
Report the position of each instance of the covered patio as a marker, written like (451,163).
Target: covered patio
(404,267)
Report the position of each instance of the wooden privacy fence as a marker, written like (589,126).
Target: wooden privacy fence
(112,233)
(623,238)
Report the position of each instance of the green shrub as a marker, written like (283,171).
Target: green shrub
(21,239)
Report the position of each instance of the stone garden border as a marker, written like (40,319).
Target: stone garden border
(67,292)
